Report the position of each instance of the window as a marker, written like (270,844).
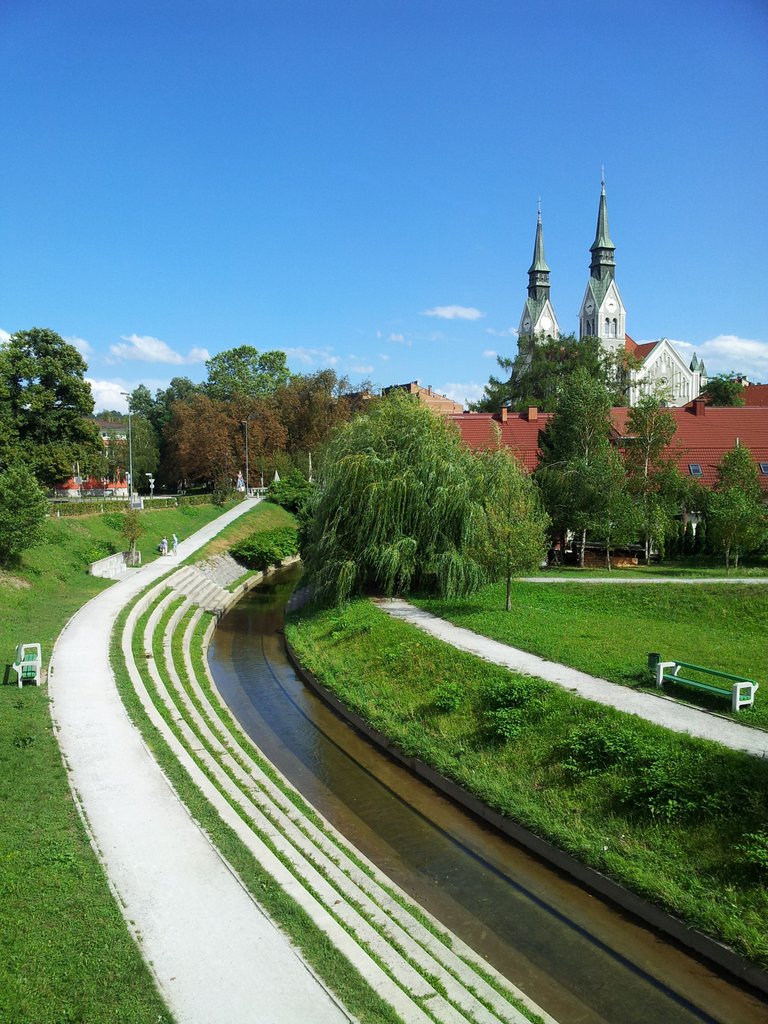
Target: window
(695,469)
(763,468)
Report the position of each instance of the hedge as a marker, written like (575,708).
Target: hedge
(260,550)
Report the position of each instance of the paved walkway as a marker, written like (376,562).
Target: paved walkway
(216,956)
(751,580)
(655,708)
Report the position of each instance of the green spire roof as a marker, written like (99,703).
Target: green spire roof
(694,363)
(602,235)
(539,263)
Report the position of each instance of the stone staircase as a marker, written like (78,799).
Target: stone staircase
(426,974)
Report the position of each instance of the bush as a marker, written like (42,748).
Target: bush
(448,696)
(511,704)
(291,493)
(269,547)
(596,746)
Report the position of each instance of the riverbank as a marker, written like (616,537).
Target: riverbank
(653,811)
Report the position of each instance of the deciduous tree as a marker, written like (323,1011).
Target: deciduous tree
(736,514)
(245,372)
(23,508)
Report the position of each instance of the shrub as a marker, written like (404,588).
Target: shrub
(269,547)
(596,746)
(509,705)
(448,696)
(754,850)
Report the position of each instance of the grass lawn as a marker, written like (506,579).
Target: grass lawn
(678,820)
(65,953)
(609,630)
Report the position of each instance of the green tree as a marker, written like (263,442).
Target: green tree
(725,389)
(573,460)
(245,372)
(47,404)
(616,518)
(543,368)
(650,429)
(736,514)
(396,507)
(512,538)
(292,492)
(23,508)
(132,529)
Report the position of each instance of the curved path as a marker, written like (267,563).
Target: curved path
(214,953)
(686,580)
(653,707)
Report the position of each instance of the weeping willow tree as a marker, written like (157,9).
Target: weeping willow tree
(397,507)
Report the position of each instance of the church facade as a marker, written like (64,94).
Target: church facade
(661,368)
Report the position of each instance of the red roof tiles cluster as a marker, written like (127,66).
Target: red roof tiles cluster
(702,437)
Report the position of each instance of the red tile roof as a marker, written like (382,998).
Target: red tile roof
(640,351)
(755,395)
(702,439)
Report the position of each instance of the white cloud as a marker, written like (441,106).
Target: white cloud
(151,350)
(383,356)
(490,353)
(454,313)
(108,394)
(82,346)
(728,352)
(313,356)
(464,393)
(360,369)
(4,337)
(400,339)
(510,332)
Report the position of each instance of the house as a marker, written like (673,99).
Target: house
(703,435)
(437,403)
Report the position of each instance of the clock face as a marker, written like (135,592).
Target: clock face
(546,323)
(611,305)
(527,324)
(590,306)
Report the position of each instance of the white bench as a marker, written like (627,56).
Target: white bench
(28,664)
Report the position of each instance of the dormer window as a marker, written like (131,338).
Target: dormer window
(763,468)
(694,468)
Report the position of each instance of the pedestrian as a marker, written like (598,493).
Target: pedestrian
(175,541)
(164,546)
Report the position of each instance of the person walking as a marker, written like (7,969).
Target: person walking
(164,546)
(175,543)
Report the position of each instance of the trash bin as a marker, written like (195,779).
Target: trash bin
(653,661)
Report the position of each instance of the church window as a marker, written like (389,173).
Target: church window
(607,327)
(695,469)
(615,326)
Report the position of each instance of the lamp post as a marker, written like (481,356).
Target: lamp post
(151,485)
(247,480)
(130,450)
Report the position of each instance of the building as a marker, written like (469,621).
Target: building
(703,435)
(437,403)
(661,370)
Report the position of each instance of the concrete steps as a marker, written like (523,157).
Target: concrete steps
(423,971)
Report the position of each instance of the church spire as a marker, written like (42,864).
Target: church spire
(538,272)
(602,249)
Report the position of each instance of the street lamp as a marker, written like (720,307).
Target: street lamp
(130,449)
(247,480)
(151,485)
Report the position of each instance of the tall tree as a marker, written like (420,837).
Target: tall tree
(203,441)
(543,368)
(574,450)
(651,479)
(23,508)
(47,404)
(725,389)
(396,507)
(736,515)
(512,536)
(245,372)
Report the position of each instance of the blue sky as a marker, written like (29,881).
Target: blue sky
(356,182)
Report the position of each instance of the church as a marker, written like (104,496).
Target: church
(661,369)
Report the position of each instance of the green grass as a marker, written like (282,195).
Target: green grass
(662,813)
(609,630)
(265,516)
(65,952)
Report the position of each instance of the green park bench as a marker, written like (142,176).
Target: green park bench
(740,690)
(28,664)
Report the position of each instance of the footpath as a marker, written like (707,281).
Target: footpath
(654,707)
(215,954)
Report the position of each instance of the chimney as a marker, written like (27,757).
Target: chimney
(504,414)
(533,413)
(699,406)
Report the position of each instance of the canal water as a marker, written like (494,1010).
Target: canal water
(577,956)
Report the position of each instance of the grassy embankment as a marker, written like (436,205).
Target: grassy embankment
(678,820)
(609,630)
(65,953)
